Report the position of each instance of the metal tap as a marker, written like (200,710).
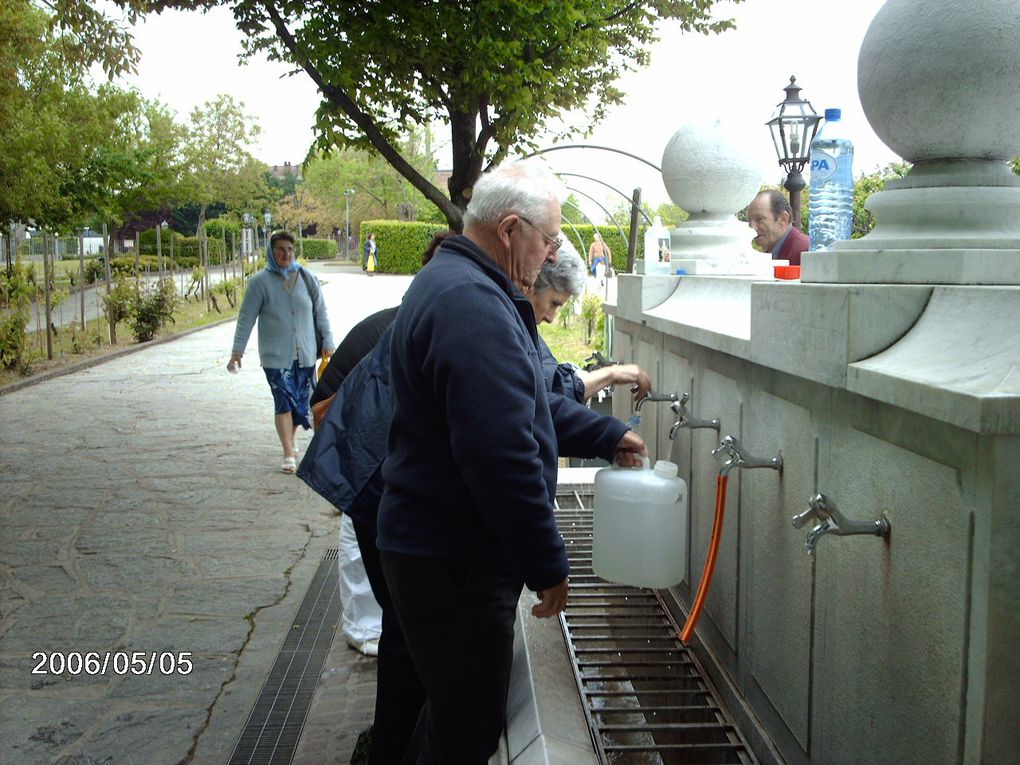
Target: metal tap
(597,361)
(832,521)
(739,459)
(653,396)
(687,420)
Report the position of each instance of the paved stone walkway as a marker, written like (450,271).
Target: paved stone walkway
(142,510)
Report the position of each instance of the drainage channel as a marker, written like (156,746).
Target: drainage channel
(271,733)
(645,695)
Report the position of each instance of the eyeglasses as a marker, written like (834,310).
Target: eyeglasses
(552,242)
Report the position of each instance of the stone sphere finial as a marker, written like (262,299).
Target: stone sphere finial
(938,79)
(708,172)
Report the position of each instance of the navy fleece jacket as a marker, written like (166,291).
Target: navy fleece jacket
(471,468)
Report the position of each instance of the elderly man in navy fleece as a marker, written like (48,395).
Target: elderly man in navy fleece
(466,519)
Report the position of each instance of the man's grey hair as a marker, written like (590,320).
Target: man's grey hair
(568,274)
(521,188)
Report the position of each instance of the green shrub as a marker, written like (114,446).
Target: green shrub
(317,249)
(228,288)
(16,290)
(94,270)
(125,264)
(188,247)
(119,299)
(400,245)
(147,243)
(153,308)
(222,229)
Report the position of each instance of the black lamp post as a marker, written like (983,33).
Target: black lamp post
(793,127)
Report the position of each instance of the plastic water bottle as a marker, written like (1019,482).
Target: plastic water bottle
(831,209)
(640,529)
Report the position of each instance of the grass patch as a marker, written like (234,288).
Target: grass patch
(72,345)
(568,343)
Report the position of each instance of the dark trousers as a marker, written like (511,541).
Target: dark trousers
(458,621)
(399,695)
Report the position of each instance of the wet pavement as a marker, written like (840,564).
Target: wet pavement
(152,556)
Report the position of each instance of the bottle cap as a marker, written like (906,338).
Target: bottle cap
(833,114)
(665,469)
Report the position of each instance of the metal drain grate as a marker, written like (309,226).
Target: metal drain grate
(271,733)
(644,694)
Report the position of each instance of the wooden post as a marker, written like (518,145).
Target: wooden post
(46,267)
(635,206)
(81,275)
(159,247)
(107,254)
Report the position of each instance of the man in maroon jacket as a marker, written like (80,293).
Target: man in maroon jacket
(770,215)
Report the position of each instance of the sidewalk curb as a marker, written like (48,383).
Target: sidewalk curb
(87,363)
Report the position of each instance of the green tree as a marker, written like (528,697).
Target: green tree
(220,165)
(867,185)
(572,210)
(496,73)
(380,192)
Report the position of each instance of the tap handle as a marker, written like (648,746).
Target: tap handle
(822,507)
(729,445)
(801,518)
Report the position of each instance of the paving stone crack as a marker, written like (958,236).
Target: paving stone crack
(250,618)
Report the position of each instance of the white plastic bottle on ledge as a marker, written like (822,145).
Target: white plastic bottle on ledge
(656,251)
(831,207)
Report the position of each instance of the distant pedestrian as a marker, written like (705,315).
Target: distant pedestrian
(599,256)
(287,303)
(369,253)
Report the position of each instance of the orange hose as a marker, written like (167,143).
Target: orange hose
(713,552)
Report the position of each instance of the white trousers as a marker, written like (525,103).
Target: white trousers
(361,618)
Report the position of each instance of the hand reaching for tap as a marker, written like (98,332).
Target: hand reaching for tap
(616,374)
(630,449)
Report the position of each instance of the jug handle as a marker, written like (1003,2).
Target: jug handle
(646,463)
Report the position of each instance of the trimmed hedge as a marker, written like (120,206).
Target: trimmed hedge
(400,245)
(317,249)
(185,247)
(611,235)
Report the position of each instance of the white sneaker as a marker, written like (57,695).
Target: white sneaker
(367,647)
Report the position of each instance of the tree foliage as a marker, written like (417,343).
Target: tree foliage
(867,185)
(71,153)
(220,165)
(496,73)
(380,192)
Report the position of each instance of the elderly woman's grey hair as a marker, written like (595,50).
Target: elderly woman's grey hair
(568,274)
(522,188)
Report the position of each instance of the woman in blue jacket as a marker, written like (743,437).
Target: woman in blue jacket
(288,305)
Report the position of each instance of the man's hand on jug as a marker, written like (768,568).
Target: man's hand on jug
(630,449)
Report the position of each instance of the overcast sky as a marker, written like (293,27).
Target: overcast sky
(189,58)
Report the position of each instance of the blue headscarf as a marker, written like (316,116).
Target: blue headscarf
(271,263)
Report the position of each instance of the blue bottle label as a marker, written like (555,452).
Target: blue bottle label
(823,167)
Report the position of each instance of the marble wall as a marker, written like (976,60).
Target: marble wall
(901,402)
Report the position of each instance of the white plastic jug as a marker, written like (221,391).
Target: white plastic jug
(640,534)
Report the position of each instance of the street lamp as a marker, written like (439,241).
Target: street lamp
(347,230)
(159,244)
(793,127)
(268,218)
